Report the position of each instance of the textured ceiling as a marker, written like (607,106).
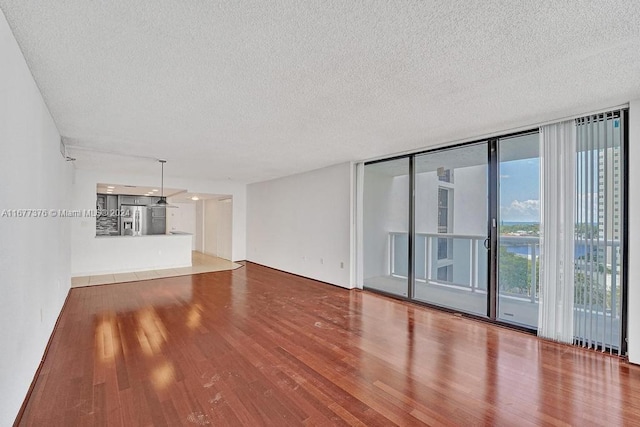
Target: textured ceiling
(252,90)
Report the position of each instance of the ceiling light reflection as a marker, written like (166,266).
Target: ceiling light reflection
(151,332)
(194,317)
(162,375)
(106,338)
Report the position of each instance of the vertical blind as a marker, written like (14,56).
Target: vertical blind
(599,231)
(557,241)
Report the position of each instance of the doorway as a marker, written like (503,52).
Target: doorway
(450,225)
(208,217)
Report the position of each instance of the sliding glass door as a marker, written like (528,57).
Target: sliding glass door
(461,228)
(451,228)
(519,229)
(386,227)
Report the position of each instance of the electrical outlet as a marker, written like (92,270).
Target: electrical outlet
(342,265)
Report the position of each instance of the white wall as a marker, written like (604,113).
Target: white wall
(183,219)
(633,279)
(301,224)
(85,252)
(34,252)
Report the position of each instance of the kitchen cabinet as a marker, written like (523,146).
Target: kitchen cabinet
(135,200)
(101,202)
(112,204)
(127,200)
(158,225)
(158,212)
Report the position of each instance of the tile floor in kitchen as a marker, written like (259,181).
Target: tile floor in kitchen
(201,263)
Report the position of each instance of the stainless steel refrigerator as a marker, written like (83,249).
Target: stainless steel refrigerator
(135,220)
(142,220)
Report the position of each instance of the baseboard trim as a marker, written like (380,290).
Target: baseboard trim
(23,407)
(300,275)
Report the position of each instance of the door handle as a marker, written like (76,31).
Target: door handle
(486,243)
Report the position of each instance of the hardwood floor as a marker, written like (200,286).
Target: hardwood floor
(255,346)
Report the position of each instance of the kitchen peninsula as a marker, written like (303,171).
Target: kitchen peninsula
(124,254)
(130,236)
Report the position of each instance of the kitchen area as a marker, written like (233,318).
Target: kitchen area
(129,215)
(130,231)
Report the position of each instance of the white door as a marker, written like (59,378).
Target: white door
(217,228)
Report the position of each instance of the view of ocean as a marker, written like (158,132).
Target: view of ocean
(518,223)
(580,250)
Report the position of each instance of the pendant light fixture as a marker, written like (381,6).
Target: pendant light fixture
(162,203)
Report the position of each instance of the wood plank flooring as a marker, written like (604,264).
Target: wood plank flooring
(255,346)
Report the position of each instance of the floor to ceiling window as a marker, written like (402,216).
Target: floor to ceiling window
(460,228)
(519,229)
(386,226)
(451,227)
(599,230)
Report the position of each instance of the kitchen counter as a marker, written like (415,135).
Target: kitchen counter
(173,233)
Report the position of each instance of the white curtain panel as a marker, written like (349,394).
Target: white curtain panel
(557,219)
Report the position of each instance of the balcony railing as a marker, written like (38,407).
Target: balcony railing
(459,262)
(437,251)
(436,254)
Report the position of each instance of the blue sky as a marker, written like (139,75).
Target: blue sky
(520,190)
